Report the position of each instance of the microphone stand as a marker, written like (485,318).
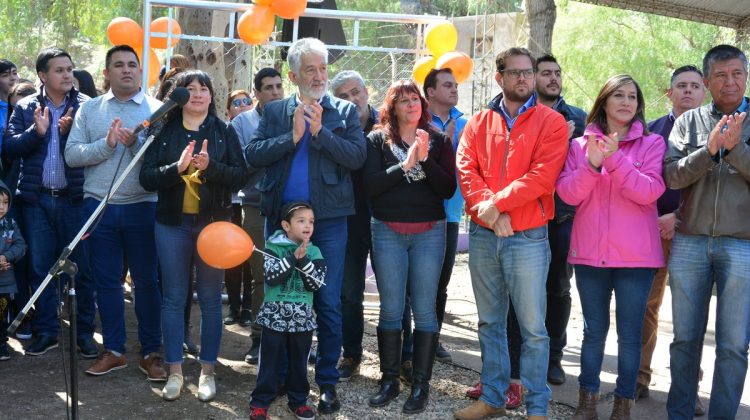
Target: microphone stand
(64,265)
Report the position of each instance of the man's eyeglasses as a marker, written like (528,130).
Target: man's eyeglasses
(516,74)
(240,102)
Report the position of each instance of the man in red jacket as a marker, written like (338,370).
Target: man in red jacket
(508,161)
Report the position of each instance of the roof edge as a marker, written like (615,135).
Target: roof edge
(662,8)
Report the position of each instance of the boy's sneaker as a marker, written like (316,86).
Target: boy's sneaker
(475,391)
(513,396)
(4,352)
(304,412)
(258,413)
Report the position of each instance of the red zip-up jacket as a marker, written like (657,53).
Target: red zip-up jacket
(515,168)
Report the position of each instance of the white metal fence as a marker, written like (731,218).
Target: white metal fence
(381,46)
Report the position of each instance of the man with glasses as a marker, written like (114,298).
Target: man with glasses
(508,161)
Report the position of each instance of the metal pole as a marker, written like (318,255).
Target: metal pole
(59,264)
(145,54)
(73,333)
(167,58)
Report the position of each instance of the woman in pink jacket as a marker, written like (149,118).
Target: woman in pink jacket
(613,176)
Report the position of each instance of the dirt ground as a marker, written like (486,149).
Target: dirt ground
(35,386)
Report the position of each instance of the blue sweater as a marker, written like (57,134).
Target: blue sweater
(338,149)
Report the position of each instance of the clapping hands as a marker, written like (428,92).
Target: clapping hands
(598,149)
(199,160)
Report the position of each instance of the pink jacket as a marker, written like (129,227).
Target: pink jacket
(615,223)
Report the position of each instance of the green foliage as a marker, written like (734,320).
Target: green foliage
(593,43)
(78,26)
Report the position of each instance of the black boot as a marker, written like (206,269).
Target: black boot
(425,344)
(389,349)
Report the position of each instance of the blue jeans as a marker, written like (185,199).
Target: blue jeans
(631,287)
(51,223)
(412,260)
(696,264)
(129,229)
(330,236)
(353,286)
(177,251)
(451,245)
(512,268)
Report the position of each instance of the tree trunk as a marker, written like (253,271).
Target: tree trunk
(542,15)
(209,56)
(742,38)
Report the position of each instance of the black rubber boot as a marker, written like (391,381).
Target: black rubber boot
(425,344)
(389,349)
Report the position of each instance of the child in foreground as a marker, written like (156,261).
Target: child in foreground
(294,269)
(12,248)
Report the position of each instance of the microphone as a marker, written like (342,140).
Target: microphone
(177,98)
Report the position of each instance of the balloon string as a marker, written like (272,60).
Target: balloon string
(317,280)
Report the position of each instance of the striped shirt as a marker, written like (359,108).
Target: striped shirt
(53,174)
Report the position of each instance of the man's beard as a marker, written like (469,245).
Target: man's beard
(511,95)
(311,92)
(547,97)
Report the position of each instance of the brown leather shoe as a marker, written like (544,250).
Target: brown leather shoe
(106,363)
(153,366)
(479,410)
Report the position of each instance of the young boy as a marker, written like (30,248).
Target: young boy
(12,248)
(294,269)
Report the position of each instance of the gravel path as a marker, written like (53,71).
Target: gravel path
(35,388)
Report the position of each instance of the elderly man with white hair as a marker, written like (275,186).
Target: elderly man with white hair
(309,143)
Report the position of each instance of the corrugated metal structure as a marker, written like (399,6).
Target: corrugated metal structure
(733,14)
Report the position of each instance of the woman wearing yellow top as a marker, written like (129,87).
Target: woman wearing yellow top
(195,163)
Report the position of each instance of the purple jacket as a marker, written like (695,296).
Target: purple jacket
(615,223)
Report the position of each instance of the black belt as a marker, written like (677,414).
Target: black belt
(54,192)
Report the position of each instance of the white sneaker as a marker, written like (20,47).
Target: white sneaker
(172,389)
(206,388)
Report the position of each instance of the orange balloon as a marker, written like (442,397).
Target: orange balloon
(154,66)
(256,25)
(224,245)
(125,31)
(263,2)
(422,67)
(288,9)
(460,64)
(162,25)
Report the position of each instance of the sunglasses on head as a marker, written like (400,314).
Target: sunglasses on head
(239,102)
